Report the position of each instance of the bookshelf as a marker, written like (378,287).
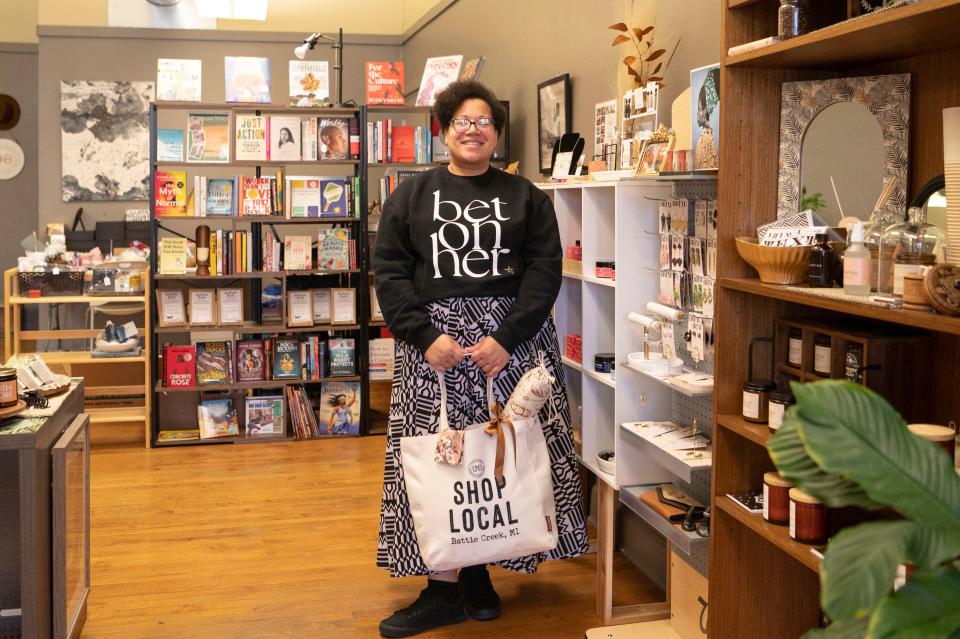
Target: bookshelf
(175,408)
(763,583)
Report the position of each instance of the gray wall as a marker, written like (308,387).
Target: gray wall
(81,53)
(530,41)
(18,197)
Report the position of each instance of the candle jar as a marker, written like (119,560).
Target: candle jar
(914,295)
(776,498)
(603,362)
(909,264)
(943,436)
(756,398)
(808,518)
(8,387)
(795,347)
(780,401)
(822,355)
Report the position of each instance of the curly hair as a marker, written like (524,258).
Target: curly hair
(447,102)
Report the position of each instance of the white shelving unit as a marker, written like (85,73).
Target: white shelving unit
(618,221)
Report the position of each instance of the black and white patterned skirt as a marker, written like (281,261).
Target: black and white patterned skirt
(414,411)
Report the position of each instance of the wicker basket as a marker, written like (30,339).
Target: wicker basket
(51,284)
(775,264)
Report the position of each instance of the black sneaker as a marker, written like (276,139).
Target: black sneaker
(480,599)
(430,610)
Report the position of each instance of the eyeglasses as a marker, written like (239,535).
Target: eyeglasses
(462,125)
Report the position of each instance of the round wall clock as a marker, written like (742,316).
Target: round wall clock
(11,159)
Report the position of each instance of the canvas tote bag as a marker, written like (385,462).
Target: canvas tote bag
(462,514)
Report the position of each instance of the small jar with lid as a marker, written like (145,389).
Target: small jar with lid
(795,347)
(853,363)
(808,518)
(791,19)
(756,401)
(780,400)
(822,355)
(776,498)
(8,387)
(909,245)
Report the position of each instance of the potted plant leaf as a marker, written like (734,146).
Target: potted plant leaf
(847,446)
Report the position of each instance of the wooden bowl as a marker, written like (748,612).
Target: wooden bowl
(775,264)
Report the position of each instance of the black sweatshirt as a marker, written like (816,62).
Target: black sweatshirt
(443,235)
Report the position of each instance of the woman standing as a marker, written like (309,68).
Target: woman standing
(468,266)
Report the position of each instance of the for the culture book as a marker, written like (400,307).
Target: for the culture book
(385,83)
(246,79)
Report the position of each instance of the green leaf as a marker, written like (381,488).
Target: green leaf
(930,547)
(851,431)
(927,606)
(860,565)
(791,458)
(840,630)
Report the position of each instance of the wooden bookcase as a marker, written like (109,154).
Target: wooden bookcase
(176,408)
(763,584)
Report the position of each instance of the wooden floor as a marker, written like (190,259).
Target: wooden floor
(279,540)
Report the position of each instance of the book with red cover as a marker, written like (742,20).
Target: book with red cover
(180,367)
(254,196)
(385,83)
(404,144)
(170,193)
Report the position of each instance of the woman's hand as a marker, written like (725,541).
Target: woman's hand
(489,356)
(444,353)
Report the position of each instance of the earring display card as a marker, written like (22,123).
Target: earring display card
(668,343)
(695,326)
(678,260)
(696,256)
(712,214)
(666,207)
(697,294)
(678,297)
(711,270)
(665,251)
(709,287)
(680,216)
(666,287)
(708,337)
(700,218)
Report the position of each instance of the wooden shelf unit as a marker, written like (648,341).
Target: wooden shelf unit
(14,335)
(754,568)
(356,278)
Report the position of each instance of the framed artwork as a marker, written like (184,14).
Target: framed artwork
(299,308)
(553,116)
(343,306)
(376,313)
(705,88)
(604,127)
(655,151)
(230,306)
(321,305)
(203,307)
(170,308)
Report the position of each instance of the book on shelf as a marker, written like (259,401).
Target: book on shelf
(271,253)
(389,143)
(303,419)
(404,144)
(250,137)
(217,418)
(170,193)
(385,83)
(172,255)
(297,253)
(309,83)
(169,145)
(339,410)
(213,363)
(313,358)
(381,352)
(254,196)
(208,137)
(286,358)
(218,196)
(438,72)
(341,353)
(251,360)
(471,69)
(178,80)
(333,192)
(179,366)
(334,136)
(305,200)
(264,416)
(308,139)
(354,137)
(178,435)
(246,79)
(284,138)
(333,249)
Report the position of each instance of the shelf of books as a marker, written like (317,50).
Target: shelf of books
(260,268)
